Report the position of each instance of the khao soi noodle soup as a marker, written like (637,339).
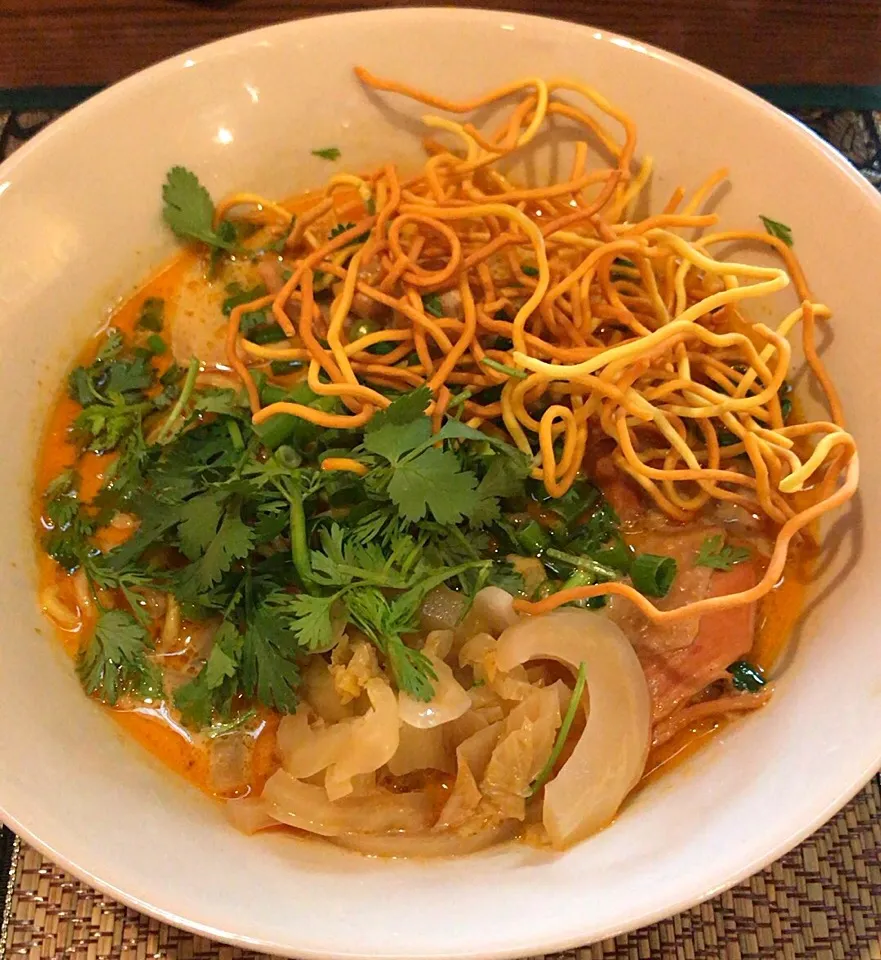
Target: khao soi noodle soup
(426,511)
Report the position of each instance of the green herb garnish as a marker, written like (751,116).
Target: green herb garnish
(746,676)
(504,368)
(189,211)
(433,305)
(562,734)
(152,314)
(715,553)
(653,575)
(777,229)
(327,153)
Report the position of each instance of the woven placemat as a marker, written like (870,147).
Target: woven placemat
(820,902)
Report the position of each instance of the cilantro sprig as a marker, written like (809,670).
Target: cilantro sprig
(718,555)
(189,211)
(273,554)
(327,153)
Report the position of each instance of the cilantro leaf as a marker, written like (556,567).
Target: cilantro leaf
(383,622)
(338,229)
(270,670)
(777,229)
(200,518)
(233,541)
(504,575)
(716,554)
(393,441)
(433,482)
(102,428)
(189,210)
(114,660)
(310,619)
(213,688)
(504,478)
(405,409)
(327,153)
(60,501)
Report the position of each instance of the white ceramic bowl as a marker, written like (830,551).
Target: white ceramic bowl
(79,224)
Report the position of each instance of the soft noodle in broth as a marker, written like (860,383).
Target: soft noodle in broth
(419,514)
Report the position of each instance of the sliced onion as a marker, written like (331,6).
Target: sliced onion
(307,807)
(443,844)
(449,702)
(609,758)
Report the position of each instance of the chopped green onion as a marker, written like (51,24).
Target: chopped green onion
(653,575)
(433,305)
(576,501)
(581,578)
(460,398)
(600,572)
(530,271)
(532,537)
(270,333)
(238,296)
(283,367)
(155,344)
(562,734)
(746,676)
(167,431)
(503,368)
(288,457)
(546,589)
(235,434)
(327,153)
(618,556)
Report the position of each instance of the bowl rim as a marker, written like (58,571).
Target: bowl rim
(93,106)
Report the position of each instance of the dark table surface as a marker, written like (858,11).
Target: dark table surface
(52,43)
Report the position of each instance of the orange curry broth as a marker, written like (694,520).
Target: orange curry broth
(152,728)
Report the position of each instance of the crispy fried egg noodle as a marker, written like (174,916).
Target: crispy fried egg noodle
(616,327)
